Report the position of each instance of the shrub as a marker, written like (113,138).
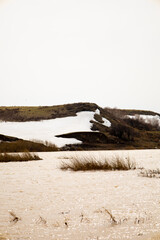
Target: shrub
(91,164)
(123,132)
(118,113)
(139,123)
(5,157)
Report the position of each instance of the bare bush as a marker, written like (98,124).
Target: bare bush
(123,132)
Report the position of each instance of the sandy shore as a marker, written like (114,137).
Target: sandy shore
(62,205)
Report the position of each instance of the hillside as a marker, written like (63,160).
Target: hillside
(83,126)
(23,114)
(13,144)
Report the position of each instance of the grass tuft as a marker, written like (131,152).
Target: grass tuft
(14,219)
(113,220)
(90,163)
(150,173)
(5,157)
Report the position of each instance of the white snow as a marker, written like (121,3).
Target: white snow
(47,129)
(106,122)
(97,112)
(147,118)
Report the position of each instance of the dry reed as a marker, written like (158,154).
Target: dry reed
(90,163)
(6,157)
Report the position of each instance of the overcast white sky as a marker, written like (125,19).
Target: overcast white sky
(64,51)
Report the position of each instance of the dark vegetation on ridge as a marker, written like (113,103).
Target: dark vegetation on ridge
(23,114)
(11,144)
(124,133)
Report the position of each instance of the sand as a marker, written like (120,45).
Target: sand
(62,205)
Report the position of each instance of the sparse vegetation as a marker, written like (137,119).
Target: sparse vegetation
(23,146)
(154,237)
(150,173)
(42,221)
(140,124)
(120,113)
(46,143)
(113,220)
(14,218)
(2,237)
(23,114)
(90,163)
(5,157)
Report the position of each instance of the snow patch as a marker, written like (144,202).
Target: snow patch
(106,122)
(97,112)
(47,129)
(147,118)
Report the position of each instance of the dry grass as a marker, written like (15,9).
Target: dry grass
(23,114)
(90,163)
(5,157)
(150,173)
(24,145)
(49,144)
(2,237)
(14,218)
(154,237)
(111,216)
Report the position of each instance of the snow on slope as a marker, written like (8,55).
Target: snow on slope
(147,118)
(106,122)
(47,129)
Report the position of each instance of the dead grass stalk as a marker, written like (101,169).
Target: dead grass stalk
(6,157)
(90,163)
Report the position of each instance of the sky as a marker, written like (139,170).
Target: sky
(64,51)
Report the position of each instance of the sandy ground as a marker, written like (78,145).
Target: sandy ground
(62,205)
